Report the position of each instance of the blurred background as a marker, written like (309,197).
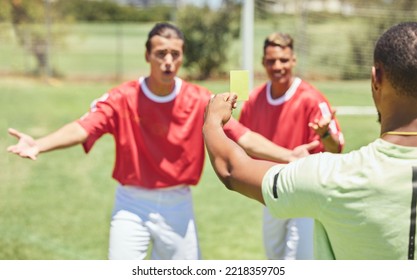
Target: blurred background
(93,39)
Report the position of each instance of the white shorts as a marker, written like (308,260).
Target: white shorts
(160,218)
(287,239)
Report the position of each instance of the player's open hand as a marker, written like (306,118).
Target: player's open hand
(303,150)
(26,147)
(220,107)
(321,127)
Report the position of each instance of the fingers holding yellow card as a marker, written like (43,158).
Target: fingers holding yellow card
(239,83)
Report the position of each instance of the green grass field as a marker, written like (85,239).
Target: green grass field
(59,206)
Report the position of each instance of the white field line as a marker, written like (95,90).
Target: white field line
(355,110)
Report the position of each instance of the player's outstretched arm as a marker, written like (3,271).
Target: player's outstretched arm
(27,147)
(303,150)
(233,166)
(258,146)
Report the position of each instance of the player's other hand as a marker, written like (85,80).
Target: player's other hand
(321,127)
(220,108)
(26,147)
(303,150)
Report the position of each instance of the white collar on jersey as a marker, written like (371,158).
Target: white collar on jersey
(287,95)
(160,99)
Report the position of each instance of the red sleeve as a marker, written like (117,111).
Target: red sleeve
(234,129)
(98,120)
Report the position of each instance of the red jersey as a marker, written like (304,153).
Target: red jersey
(285,120)
(159,141)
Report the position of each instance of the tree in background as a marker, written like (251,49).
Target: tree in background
(112,11)
(32,25)
(208,35)
(39,25)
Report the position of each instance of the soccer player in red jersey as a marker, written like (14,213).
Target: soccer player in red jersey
(156,122)
(289,112)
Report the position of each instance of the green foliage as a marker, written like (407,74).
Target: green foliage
(32,26)
(4,11)
(110,11)
(208,35)
(328,45)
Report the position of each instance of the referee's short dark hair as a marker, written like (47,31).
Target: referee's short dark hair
(396,55)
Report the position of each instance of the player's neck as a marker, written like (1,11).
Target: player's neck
(160,89)
(279,89)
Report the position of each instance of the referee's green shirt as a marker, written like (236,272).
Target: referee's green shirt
(362,201)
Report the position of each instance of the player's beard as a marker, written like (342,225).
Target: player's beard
(379,117)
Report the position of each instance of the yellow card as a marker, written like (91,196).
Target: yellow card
(239,83)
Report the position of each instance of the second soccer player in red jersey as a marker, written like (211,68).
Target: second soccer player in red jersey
(290,112)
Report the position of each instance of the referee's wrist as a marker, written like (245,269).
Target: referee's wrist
(325,135)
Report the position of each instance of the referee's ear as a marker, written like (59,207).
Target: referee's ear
(376,82)
(376,78)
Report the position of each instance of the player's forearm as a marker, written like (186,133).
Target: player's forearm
(67,136)
(258,146)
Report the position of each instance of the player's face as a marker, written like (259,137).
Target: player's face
(165,58)
(278,63)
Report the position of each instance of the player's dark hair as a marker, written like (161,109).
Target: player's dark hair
(278,39)
(396,53)
(165,30)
